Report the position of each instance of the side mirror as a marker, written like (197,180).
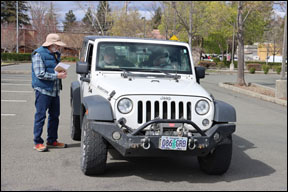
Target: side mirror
(82,67)
(200,73)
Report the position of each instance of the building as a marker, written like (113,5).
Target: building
(26,43)
(155,34)
(271,49)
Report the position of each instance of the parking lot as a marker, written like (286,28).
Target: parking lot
(259,160)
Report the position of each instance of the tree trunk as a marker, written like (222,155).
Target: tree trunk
(240,74)
(201,48)
(190,24)
(284,49)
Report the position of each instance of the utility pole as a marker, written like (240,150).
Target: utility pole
(17,27)
(284,49)
(232,56)
(144,26)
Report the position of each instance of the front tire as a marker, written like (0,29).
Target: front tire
(93,149)
(218,161)
(75,125)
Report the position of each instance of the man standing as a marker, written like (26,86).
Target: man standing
(47,84)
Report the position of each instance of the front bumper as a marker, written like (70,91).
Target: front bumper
(134,144)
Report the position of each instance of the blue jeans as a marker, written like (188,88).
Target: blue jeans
(42,103)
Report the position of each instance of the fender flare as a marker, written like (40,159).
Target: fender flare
(75,96)
(99,108)
(224,112)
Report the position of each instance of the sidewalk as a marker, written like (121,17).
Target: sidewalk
(236,71)
(255,94)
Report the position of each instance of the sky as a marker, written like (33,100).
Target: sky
(144,8)
(62,7)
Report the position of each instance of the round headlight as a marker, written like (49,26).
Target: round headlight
(202,107)
(125,105)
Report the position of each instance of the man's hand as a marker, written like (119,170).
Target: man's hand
(62,75)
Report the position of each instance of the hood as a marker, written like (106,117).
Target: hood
(148,86)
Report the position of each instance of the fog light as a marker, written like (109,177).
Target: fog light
(205,122)
(216,137)
(116,135)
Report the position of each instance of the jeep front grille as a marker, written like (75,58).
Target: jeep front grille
(149,110)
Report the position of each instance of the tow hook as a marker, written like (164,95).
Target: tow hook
(145,143)
(192,144)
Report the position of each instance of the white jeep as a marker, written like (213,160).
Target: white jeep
(143,98)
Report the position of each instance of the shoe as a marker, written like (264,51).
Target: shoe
(56,144)
(40,147)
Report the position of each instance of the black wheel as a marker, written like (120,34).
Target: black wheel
(217,161)
(75,125)
(93,149)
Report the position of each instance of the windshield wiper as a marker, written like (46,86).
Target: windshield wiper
(176,77)
(127,74)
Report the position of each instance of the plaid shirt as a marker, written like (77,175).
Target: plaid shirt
(40,72)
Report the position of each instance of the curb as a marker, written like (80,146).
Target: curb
(253,94)
(217,71)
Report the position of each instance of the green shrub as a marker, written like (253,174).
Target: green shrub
(216,60)
(206,64)
(277,69)
(69,59)
(16,56)
(220,65)
(257,66)
(252,70)
(27,57)
(265,68)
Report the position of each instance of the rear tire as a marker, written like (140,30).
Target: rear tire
(93,149)
(218,161)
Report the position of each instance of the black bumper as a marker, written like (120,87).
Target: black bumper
(134,144)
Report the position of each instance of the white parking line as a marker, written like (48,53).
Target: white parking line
(16,80)
(16,84)
(14,101)
(8,115)
(6,91)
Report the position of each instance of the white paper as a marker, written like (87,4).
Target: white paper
(62,66)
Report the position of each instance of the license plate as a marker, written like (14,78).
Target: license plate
(173,143)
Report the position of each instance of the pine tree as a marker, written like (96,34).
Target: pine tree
(8,12)
(88,21)
(69,20)
(156,20)
(103,11)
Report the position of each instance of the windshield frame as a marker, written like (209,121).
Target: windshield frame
(147,70)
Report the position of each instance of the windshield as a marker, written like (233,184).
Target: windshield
(114,56)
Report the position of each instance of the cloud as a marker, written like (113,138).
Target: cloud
(64,6)
(279,13)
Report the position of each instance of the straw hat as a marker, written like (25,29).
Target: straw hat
(53,38)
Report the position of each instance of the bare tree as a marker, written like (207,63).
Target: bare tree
(38,11)
(51,19)
(180,13)
(94,18)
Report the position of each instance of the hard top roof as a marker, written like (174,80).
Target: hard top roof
(94,37)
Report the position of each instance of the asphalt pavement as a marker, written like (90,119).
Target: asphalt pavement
(259,160)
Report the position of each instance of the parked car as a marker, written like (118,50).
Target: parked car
(143,98)
(206,58)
